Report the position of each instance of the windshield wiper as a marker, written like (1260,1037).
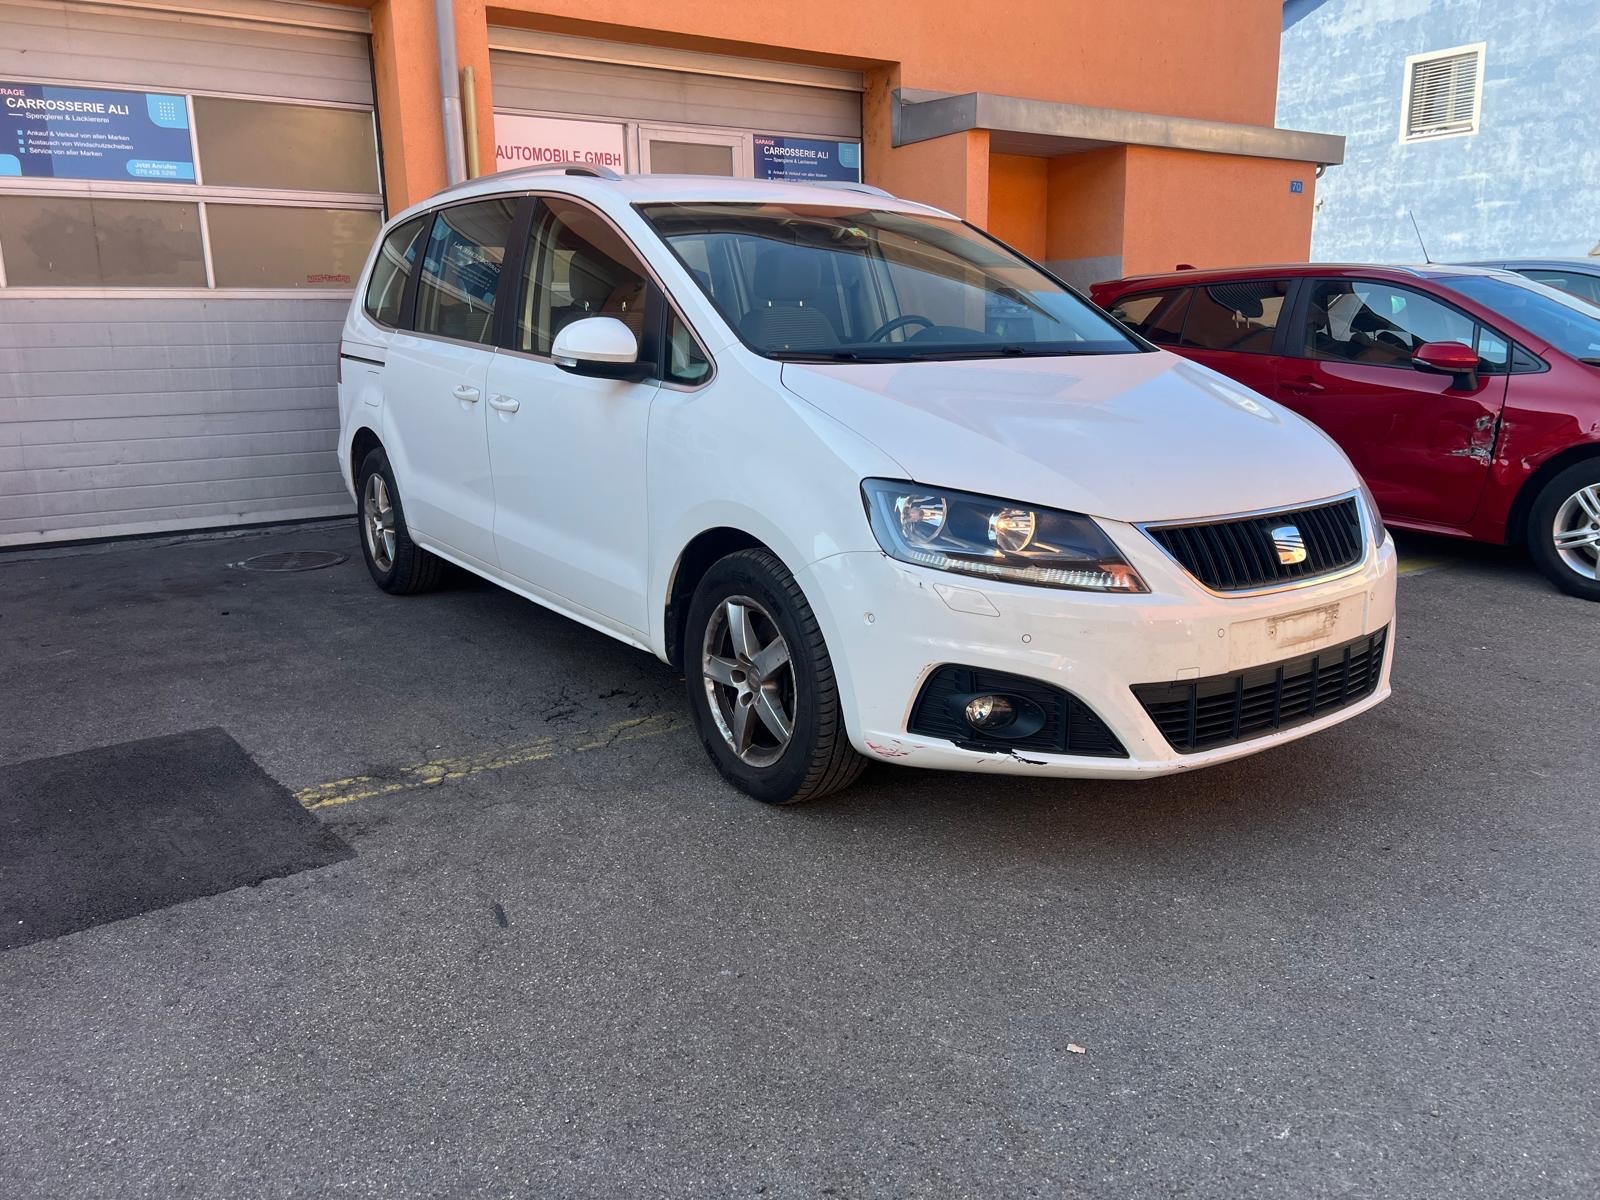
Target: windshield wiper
(821,356)
(1593,362)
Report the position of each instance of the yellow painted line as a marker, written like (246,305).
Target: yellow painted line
(1416,566)
(442,770)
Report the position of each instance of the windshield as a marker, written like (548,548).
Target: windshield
(1569,324)
(823,283)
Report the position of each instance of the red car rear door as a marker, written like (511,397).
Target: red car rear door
(1232,327)
(1422,441)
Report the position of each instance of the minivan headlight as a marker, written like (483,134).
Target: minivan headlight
(995,539)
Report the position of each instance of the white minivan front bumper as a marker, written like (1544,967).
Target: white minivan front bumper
(889,626)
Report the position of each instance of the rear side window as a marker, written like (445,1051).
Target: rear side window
(461,270)
(1156,315)
(387,287)
(1240,317)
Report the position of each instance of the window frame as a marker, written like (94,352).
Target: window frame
(199,192)
(407,295)
(1293,342)
(1275,345)
(503,320)
(1178,289)
(1412,61)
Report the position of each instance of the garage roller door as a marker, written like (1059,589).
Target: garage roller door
(168,346)
(553,74)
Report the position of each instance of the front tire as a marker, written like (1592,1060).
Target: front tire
(1564,530)
(398,565)
(761,685)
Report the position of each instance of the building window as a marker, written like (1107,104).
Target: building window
(1443,94)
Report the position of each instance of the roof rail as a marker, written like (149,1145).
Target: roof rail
(594,171)
(847,185)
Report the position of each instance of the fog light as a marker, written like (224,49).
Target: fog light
(989,712)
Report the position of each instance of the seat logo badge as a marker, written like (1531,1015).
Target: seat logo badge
(1290,545)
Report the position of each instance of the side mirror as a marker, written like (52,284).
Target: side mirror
(602,347)
(1448,358)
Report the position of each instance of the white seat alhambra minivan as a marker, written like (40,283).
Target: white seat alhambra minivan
(878,485)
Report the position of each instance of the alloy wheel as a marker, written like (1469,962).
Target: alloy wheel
(377,521)
(749,680)
(1577,531)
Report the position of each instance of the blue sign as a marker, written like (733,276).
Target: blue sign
(807,158)
(94,133)
(1297,186)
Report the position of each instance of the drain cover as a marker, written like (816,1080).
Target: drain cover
(292,560)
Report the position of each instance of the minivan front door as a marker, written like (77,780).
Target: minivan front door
(434,380)
(567,450)
(1423,442)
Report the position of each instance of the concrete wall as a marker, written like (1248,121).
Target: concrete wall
(1528,183)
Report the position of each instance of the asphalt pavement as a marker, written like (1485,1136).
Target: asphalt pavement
(565,960)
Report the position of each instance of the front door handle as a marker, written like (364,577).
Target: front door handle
(506,404)
(466,393)
(1303,387)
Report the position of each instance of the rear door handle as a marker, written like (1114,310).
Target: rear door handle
(466,393)
(506,404)
(1304,387)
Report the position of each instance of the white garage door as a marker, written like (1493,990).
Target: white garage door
(184,203)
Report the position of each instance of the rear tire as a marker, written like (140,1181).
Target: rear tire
(1564,530)
(398,565)
(761,685)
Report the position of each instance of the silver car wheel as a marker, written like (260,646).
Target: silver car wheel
(749,680)
(377,521)
(1577,531)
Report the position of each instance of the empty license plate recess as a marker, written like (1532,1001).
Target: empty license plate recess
(1287,635)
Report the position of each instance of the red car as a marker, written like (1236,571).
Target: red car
(1468,398)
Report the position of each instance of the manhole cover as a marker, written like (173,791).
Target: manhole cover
(292,560)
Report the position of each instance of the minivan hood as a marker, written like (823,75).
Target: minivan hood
(1129,437)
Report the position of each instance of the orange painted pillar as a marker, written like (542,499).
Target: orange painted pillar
(472,50)
(405,67)
(951,173)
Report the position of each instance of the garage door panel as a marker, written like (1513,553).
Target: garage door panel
(193,448)
(55,41)
(223,487)
(186,381)
(156,472)
(542,83)
(155,519)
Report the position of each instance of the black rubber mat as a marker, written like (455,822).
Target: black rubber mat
(111,833)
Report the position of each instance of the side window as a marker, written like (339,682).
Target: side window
(578,266)
(1494,352)
(461,270)
(1235,316)
(387,287)
(686,362)
(1360,320)
(1585,287)
(1156,315)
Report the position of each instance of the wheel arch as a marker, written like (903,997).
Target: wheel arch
(362,443)
(1516,531)
(694,560)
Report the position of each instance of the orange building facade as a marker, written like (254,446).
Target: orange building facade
(1102,139)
